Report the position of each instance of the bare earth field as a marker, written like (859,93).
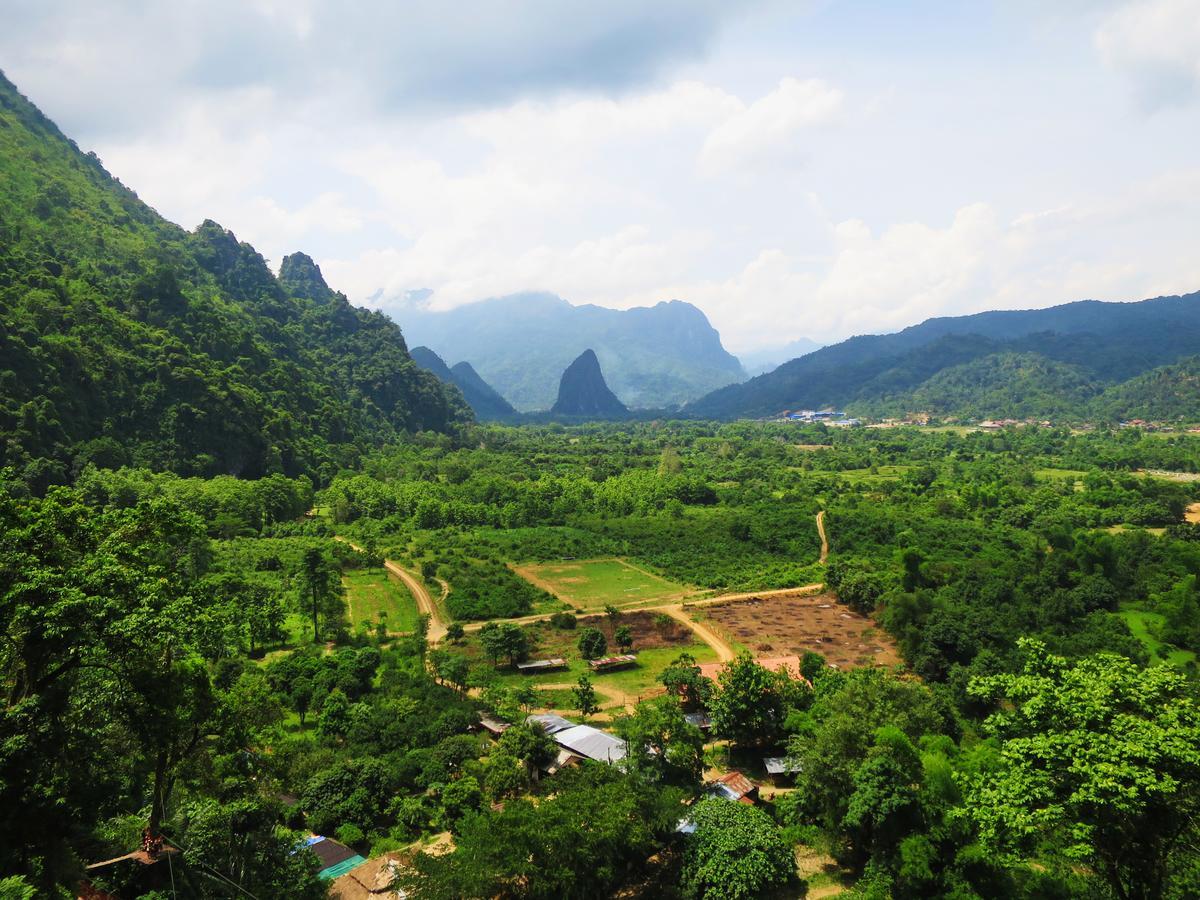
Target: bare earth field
(776,626)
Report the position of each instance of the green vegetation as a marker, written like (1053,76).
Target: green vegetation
(596,583)
(374,597)
(180,660)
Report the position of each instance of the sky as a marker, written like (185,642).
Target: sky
(809,168)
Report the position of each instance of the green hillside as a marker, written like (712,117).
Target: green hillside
(1169,393)
(125,339)
(1010,385)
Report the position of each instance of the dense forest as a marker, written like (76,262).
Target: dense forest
(183,654)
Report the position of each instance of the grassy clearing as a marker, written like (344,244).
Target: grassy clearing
(596,583)
(1143,624)
(881,473)
(370,592)
(1050,474)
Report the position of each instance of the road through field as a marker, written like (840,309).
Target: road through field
(425,604)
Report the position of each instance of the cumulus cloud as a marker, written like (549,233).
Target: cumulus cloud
(117,65)
(789,186)
(1157,43)
(770,129)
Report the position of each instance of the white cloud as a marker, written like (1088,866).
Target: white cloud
(1157,42)
(769,129)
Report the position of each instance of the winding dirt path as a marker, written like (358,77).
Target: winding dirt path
(824,538)
(425,603)
(721,646)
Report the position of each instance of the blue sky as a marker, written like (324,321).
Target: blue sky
(795,169)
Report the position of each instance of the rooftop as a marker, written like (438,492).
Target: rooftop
(592,743)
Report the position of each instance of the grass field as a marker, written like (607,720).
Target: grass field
(1058,474)
(1141,623)
(596,583)
(881,473)
(369,592)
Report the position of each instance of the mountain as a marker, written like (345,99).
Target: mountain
(765,359)
(1168,393)
(1107,342)
(654,356)
(583,392)
(484,401)
(125,339)
(997,385)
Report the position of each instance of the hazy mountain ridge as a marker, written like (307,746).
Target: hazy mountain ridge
(520,344)
(1102,343)
(483,399)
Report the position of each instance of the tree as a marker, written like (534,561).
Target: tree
(300,696)
(585,696)
(455,632)
(682,679)
(885,806)
(458,798)
(735,852)
(320,582)
(504,640)
(582,841)
(662,744)
(624,638)
(529,743)
(592,643)
(750,706)
(1100,757)
(335,716)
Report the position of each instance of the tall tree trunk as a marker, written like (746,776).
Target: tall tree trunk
(158,801)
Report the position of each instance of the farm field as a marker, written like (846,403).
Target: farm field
(596,583)
(881,473)
(370,592)
(779,626)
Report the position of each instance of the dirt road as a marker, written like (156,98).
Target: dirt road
(824,539)
(425,604)
(719,644)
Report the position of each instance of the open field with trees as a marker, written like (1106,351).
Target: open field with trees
(596,583)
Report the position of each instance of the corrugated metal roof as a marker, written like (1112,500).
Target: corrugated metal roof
(780,765)
(551,723)
(592,743)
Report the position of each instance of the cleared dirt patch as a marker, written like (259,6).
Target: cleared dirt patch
(781,625)
(1193,514)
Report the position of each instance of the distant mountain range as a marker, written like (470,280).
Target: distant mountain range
(484,400)
(583,392)
(1075,360)
(766,359)
(520,344)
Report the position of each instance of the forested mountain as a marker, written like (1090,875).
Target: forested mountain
(125,339)
(583,392)
(483,399)
(1085,346)
(1169,393)
(653,356)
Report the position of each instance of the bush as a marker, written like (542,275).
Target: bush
(592,643)
(564,621)
(351,835)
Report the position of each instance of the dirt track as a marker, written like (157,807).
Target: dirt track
(425,604)
(824,539)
